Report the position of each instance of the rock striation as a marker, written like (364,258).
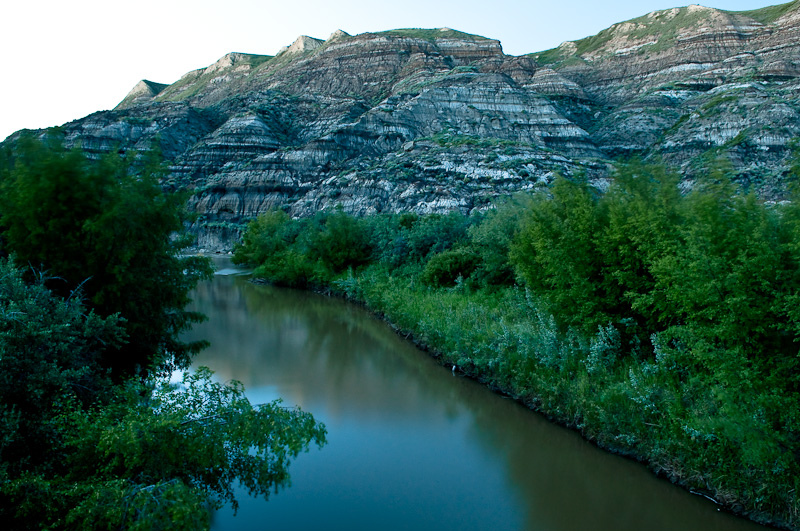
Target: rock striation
(436,120)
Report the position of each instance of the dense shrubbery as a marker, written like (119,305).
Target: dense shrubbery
(304,252)
(661,324)
(315,251)
(446,269)
(92,433)
(101,232)
(77,452)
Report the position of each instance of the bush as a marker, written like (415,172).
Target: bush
(491,238)
(444,269)
(341,241)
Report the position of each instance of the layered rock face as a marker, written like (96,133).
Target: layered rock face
(695,81)
(436,120)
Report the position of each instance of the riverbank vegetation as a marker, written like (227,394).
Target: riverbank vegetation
(93,432)
(662,323)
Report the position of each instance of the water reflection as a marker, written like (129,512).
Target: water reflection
(410,445)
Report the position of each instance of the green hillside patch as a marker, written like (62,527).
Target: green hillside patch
(561,56)
(769,14)
(661,27)
(194,82)
(432,35)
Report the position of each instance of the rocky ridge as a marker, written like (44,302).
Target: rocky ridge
(435,120)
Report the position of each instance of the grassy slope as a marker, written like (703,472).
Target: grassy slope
(194,82)
(433,34)
(658,26)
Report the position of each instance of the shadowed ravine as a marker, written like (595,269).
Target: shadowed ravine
(410,445)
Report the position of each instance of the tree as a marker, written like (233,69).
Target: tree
(82,442)
(160,455)
(491,238)
(340,241)
(642,216)
(49,352)
(77,451)
(557,254)
(444,269)
(106,230)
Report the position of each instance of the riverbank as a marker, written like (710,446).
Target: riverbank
(508,343)
(660,327)
(410,444)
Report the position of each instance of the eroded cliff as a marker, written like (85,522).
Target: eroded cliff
(435,120)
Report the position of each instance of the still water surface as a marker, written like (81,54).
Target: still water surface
(410,445)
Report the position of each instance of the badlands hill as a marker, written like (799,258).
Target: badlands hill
(436,120)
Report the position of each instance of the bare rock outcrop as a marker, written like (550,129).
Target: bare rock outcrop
(142,92)
(436,120)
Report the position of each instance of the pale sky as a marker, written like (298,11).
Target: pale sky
(65,59)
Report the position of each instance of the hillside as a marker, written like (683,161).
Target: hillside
(434,120)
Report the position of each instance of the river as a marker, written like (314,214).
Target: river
(410,444)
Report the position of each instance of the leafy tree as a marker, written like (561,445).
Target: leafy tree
(78,452)
(641,217)
(269,244)
(82,445)
(557,254)
(102,231)
(388,234)
(646,257)
(269,235)
(190,444)
(340,242)
(434,233)
(304,252)
(725,276)
(49,352)
(491,238)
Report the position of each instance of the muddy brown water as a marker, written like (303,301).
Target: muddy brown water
(410,444)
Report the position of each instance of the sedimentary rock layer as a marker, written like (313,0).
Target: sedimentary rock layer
(435,120)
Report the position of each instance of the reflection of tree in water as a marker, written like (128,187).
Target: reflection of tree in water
(264,335)
(568,484)
(326,350)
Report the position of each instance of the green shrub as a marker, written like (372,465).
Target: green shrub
(491,236)
(341,241)
(446,268)
(266,236)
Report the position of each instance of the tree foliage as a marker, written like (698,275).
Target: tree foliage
(92,433)
(161,458)
(50,351)
(557,254)
(304,252)
(77,451)
(139,455)
(647,258)
(491,238)
(445,269)
(108,234)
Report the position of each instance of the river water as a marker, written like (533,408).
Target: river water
(410,444)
